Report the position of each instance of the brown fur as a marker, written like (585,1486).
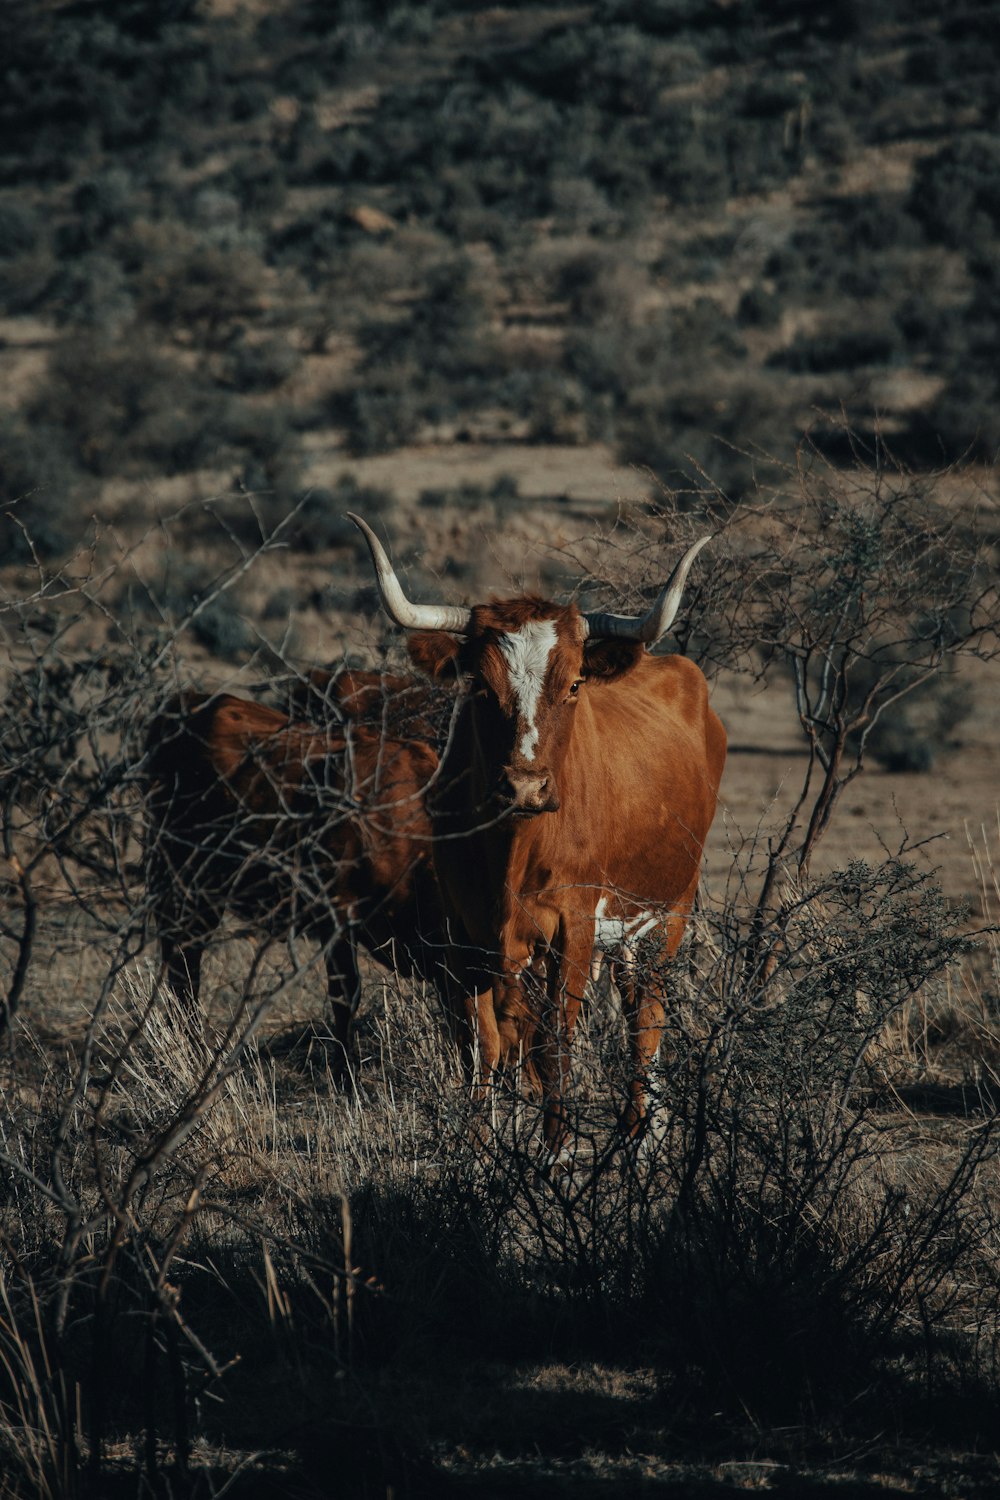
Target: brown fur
(630,764)
(294,828)
(403,707)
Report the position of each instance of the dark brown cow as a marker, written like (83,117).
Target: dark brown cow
(321,832)
(571,813)
(401,707)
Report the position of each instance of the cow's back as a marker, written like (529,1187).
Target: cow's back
(229,807)
(289,825)
(638,791)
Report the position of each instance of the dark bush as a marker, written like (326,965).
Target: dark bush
(222,629)
(43,493)
(620,360)
(93,292)
(758,308)
(382,416)
(772,95)
(20,227)
(956,191)
(310,242)
(100,204)
(205,290)
(840,348)
(25,281)
(321,522)
(965,417)
(659,16)
(847,251)
(686,159)
(259,184)
(188,435)
(259,366)
(555,405)
(503,491)
(444,331)
(699,434)
(124,409)
(436,361)
(105,75)
(273,464)
(601,284)
(927,329)
(215,213)
(631,362)
(282,604)
(911,735)
(877,222)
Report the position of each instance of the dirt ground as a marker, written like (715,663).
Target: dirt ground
(948,815)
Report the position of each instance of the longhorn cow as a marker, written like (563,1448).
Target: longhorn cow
(571,812)
(318,831)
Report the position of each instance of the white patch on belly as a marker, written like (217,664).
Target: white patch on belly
(615,932)
(526,652)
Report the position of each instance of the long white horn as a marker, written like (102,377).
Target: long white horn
(394,601)
(650,627)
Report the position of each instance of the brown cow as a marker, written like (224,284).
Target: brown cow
(322,832)
(401,707)
(571,812)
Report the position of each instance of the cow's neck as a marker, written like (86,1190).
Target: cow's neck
(484,858)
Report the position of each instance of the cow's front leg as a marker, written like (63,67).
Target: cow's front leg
(343,989)
(466,989)
(568,969)
(520,1003)
(184,936)
(481,1049)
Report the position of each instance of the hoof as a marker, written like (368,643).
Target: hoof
(342,1064)
(556,1163)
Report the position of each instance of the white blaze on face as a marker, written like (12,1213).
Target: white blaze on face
(527,652)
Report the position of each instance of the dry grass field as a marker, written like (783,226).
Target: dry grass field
(545,292)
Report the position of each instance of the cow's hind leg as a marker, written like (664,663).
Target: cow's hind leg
(343,989)
(642,981)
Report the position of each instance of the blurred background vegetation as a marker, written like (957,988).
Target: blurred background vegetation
(234,237)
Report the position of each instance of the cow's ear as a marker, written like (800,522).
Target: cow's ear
(433,652)
(606,660)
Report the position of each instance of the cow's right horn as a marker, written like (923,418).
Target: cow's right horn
(394,601)
(649,627)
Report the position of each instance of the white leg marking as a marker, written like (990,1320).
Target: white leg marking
(526,652)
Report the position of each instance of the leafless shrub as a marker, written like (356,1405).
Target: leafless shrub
(859,590)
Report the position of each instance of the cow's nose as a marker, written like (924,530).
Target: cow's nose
(529,794)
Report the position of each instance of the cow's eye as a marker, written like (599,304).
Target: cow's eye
(574,687)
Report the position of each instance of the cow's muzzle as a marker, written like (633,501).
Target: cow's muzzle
(525,795)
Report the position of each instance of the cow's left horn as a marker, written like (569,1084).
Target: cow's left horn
(410,616)
(651,627)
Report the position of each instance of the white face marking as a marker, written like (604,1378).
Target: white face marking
(526,652)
